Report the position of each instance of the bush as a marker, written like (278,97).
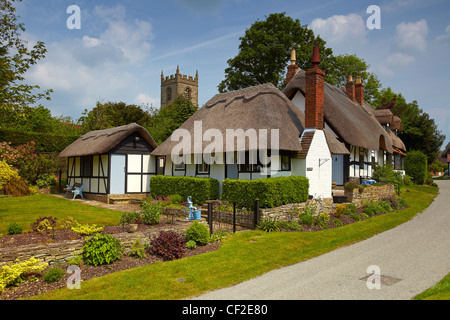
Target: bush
(53,275)
(45,181)
(44,224)
(169,245)
(151,212)
(14,228)
(337,223)
(191,244)
(12,274)
(86,230)
(340,210)
(402,202)
(268,225)
(416,166)
(355,216)
(101,249)
(16,187)
(322,220)
(293,225)
(130,217)
(6,173)
(200,189)
(137,250)
(273,192)
(198,232)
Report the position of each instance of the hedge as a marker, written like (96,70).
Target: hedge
(200,189)
(416,166)
(45,142)
(272,192)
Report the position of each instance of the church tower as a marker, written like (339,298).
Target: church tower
(174,85)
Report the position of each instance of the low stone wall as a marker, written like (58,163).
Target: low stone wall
(368,194)
(287,212)
(63,251)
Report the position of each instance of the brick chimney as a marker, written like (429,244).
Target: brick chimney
(350,89)
(314,95)
(293,68)
(359,91)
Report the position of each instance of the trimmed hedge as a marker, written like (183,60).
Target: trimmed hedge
(416,166)
(200,189)
(45,142)
(272,192)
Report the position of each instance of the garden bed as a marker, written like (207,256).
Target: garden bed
(30,288)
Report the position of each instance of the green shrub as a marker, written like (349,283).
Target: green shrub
(16,187)
(268,225)
(191,244)
(101,249)
(86,229)
(45,181)
(337,223)
(322,220)
(176,198)
(200,189)
(198,232)
(273,192)
(151,212)
(416,166)
(402,202)
(355,216)
(14,228)
(169,245)
(53,275)
(137,250)
(293,225)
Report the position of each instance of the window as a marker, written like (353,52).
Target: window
(251,166)
(203,168)
(187,93)
(180,167)
(361,159)
(285,163)
(169,94)
(86,166)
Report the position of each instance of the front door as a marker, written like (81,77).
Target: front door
(338,170)
(118,171)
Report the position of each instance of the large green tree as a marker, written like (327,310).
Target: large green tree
(346,65)
(166,120)
(16,58)
(265,51)
(114,114)
(420,131)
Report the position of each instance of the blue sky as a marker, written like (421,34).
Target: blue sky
(122,46)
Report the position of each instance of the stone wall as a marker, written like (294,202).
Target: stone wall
(368,194)
(362,195)
(65,250)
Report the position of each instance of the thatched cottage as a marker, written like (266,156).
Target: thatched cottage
(370,136)
(113,161)
(300,145)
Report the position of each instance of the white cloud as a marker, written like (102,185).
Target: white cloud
(90,42)
(145,99)
(393,62)
(96,67)
(446,35)
(412,35)
(340,29)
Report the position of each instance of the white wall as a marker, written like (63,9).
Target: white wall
(319,167)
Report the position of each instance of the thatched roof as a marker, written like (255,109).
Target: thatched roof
(355,124)
(102,141)
(384,116)
(258,107)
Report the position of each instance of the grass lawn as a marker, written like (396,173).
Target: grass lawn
(440,291)
(241,257)
(26,210)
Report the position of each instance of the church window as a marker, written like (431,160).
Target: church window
(169,94)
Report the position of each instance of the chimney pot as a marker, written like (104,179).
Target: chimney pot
(316,57)
(359,91)
(350,89)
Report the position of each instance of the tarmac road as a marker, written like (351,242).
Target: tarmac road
(410,258)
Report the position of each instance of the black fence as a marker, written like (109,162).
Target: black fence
(233,220)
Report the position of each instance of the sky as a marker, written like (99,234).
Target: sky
(122,46)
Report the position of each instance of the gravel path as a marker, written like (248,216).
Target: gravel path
(411,258)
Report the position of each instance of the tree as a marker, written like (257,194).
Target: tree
(265,51)
(15,60)
(350,65)
(114,114)
(420,132)
(168,119)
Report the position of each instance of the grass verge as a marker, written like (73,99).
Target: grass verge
(440,291)
(25,210)
(242,256)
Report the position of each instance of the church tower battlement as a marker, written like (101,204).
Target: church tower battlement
(174,85)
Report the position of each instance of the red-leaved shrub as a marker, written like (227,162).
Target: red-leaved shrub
(169,245)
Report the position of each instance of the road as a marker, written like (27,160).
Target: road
(410,259)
